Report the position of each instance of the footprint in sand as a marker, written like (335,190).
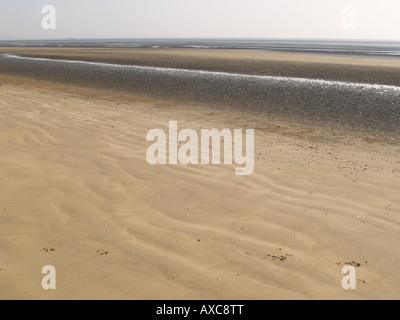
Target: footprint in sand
(102,252)
(353,264)
(280,258)
(190,211)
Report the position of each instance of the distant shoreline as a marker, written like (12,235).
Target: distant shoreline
(388,49)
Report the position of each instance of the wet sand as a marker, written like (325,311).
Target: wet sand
(76,192)
(371,111)
(352,69)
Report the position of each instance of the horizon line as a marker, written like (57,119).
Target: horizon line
(201,38)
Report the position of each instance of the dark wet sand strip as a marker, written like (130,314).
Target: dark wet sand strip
(352,69)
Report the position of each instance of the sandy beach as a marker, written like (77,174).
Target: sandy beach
(77,193)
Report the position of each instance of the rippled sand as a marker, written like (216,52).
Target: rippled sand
(76,192)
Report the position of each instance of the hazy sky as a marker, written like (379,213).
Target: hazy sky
(374,19)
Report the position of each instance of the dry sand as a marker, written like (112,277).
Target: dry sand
(77,193)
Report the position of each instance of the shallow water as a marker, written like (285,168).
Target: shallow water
(372,110)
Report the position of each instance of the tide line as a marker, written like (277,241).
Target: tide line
(318,82)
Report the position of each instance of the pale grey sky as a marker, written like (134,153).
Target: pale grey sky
(374,19)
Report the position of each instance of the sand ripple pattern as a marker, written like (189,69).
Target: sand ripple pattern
(74,178)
